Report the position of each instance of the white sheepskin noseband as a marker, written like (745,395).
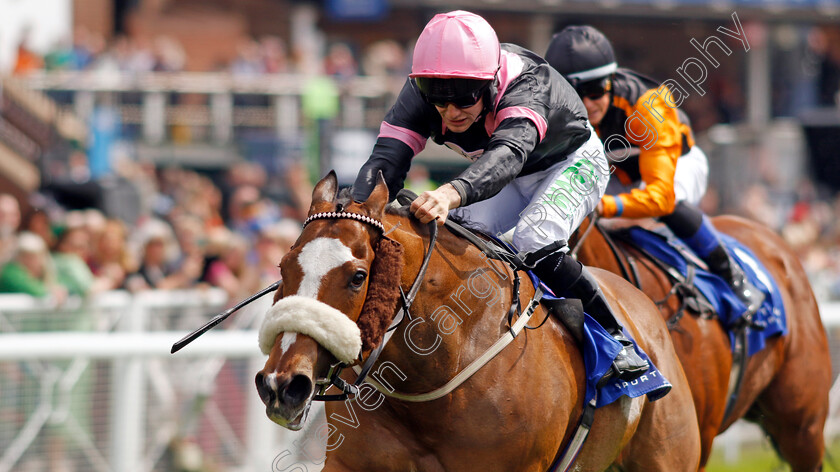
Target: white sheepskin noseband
(330,328)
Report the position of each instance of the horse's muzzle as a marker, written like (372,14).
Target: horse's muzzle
(286,397)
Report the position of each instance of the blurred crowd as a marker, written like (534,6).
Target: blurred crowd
(202,231)
(808,219)
(91,51)
(196,233)
(265,55)
(232,236)
(812,229)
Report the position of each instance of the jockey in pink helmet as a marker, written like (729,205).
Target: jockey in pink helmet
(538,168)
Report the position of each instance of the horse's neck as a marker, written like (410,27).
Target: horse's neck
(458,312)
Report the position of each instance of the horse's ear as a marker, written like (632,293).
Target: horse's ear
(325,191)
(378,197)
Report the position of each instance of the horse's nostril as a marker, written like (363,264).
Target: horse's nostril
(267,394)
(298,390)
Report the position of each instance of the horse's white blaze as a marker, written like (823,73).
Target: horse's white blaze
(304,313)
(317,258)
(287,341)
(272,382)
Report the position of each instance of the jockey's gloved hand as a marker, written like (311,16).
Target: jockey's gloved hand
(435,204)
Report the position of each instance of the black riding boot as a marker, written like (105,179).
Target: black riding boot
(568,277)
(721,263)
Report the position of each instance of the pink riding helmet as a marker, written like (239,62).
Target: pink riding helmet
(458,44)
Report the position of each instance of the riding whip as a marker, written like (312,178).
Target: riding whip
(221,317)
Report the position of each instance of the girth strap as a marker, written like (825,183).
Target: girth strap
(564,461)
(739,367)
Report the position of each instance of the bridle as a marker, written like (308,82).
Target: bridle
(333,376)
(350,390)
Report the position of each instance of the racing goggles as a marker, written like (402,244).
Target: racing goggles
(593,89)
(463,93)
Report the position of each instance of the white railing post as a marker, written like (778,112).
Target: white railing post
(221,109)
(128,397)
(83,103)
(261,432)
(353,112)
(286,115)
(154,117)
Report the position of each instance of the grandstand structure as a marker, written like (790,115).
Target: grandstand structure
(211,119)
(34,133)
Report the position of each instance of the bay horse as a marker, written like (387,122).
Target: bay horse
(786,384)
(514,414)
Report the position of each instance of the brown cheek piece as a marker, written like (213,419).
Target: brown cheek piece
(382,294)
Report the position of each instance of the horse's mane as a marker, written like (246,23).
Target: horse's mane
(394,208)
(345,196)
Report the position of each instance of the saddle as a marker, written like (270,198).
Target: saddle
(660,248)
(683,286)
(702,293)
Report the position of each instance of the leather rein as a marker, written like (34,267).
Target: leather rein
(517,262)
(492,250)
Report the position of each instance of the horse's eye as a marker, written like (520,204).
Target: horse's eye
(358,279)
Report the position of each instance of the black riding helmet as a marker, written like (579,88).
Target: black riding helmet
(581,54)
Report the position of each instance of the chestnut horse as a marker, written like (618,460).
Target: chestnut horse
(514,414)
(786,384)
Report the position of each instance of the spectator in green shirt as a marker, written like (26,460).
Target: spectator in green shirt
(72,270)
(29,271)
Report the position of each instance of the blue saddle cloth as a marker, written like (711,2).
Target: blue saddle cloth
(771,314)
(599,351)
